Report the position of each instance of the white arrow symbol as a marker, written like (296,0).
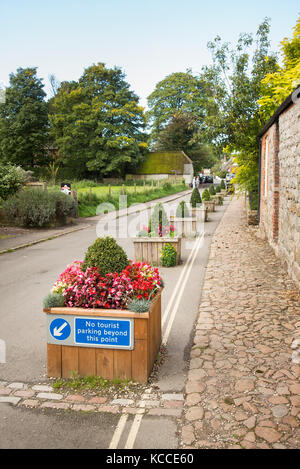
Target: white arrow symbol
(57,332)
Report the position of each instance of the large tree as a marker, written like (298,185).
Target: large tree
(24,120)
(180,92)
(97,123)
(233,82)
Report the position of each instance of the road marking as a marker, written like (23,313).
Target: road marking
(118,432)
(175,291)
(179,295)
(138,418)
(133,431)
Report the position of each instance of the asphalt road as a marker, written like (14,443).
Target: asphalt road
(25,278)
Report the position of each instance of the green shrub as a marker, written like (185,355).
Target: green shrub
(54,300)
(182,210)
(107,255)
(212,190)
(168,255)
(139,306)
(218,189)
(167,186)
(195,198)
(12,178)
(205,195)
(223,184)
(38,208)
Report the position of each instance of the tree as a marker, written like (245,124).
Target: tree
(54,84)
(97,123)
(177,134)
(177,93)
(180,135)
(233,82)
(24,120)
(277,86)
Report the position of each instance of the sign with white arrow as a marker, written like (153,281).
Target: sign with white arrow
(60,329)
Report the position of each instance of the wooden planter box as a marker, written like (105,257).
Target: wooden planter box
(215,198)
(147,249)
(106,360)
(209,205)
(186,227)
(200,213)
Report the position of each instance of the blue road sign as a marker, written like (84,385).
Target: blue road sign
(97,332)
(60,329)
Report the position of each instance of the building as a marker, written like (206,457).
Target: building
(279,187)
(165,165)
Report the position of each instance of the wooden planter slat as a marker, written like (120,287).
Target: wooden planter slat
(105,363)
(209,205)
(54,360)
(200,213)
(109,363)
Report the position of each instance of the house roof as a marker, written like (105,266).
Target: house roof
(166,162)
(288,102)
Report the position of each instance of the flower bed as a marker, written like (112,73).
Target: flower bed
(88,289)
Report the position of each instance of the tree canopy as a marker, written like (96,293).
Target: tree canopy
(277,86)
(97,123)
(24,120)
(233,83)
(180,92)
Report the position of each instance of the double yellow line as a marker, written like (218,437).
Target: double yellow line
(179,289)
(172,307)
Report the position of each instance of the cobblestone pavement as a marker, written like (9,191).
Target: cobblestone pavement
(243,386)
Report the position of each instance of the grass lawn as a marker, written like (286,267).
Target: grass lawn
(89,201)
(102,191)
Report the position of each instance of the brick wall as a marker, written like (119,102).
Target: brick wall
(280,188)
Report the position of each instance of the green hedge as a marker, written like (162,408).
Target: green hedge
(38,208)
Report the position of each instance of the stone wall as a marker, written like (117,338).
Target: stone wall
(280,188)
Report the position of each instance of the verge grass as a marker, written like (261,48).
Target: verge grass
(89,201)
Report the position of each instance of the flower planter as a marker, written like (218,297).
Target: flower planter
(216,199)
(223,192)
(101,356)
(147,249)
(200,213)
(209,205)
(186,227)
